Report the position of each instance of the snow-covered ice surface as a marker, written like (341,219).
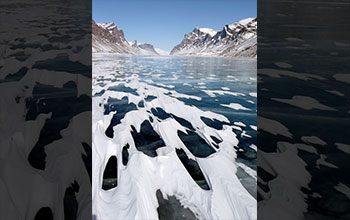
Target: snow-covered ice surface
(157,130)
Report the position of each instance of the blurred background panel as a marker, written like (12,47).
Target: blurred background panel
(45,109)
(303,109)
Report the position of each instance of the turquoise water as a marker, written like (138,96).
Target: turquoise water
(211,81)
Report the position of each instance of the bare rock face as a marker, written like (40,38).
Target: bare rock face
(110,32)
(235,40)
(134,44)
(144,48)
(107,38)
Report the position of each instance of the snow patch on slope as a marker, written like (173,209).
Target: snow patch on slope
(235,40)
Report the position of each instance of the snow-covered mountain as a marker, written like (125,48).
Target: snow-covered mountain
(235,40)
(107,38)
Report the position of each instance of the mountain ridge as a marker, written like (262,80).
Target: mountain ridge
(107,38)
(234,40)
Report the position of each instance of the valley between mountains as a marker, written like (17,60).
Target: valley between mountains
(234,40)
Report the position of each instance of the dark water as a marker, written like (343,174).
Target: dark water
(212,82)
(192,76)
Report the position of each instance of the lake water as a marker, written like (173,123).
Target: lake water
(203,108)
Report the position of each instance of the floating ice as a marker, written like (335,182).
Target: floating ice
(244,134)
(313,140)
(343,147)
(322,161)
(212,93)
(240,124)
(254,127)
(273,127)
(236,106)
(289,175)
(335,92)
(253,94)
(341,187)
(161,158)
(283,65)
(33,45)
(254,147)
(343,77)
(277,73)
(305,102)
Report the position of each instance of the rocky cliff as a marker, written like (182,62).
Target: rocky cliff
(235,40)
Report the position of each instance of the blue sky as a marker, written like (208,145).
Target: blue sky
(163,23)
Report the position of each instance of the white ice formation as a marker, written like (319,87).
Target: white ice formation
(138,180)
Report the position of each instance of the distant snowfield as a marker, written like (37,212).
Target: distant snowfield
(161,167)
(162,52)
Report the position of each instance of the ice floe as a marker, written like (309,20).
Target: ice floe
(343,77)
(235,106)
(277,73)
(283,65)
(313,140)
(305,102)
(273,127)
(343,147)
(344,189)
(212,93)
(241,124)
(163,146)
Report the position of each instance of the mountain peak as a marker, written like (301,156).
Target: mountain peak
(246,21)
(209,31)
(108,26)
(237,39)
(108,39)
(243,22)
(134,43)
